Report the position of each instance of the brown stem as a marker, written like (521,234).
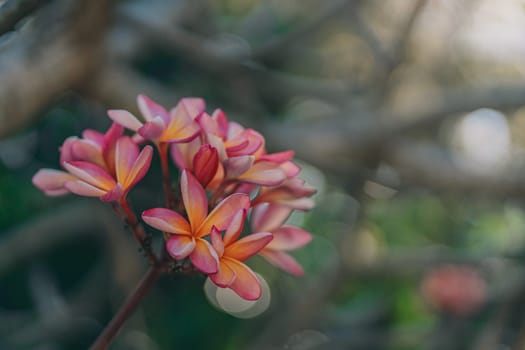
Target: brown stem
(140,234)
(168,195)
(126,310)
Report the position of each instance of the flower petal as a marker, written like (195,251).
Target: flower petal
(279,157)
(264,173)
(94,136)
(268,217)
(139,168)
(216,241)
(224,276)
(52,181)
(84,189)
(299,203)
(180,246)
(246,284)
(217,179)
(181,126)
(204,257)
(289,238)
(290,169)
(124,118)
(153,129)
(91,173)
(166,220)
(292,193)
(185,133)
(248,246)
(208,124)
(126,152)
(254,141)
(222,122)
(236,166)
(235,145)
(195,201)
(234,130)
(111,136)
(235,228)
(66,150)
(217,142)
(193,105)
(222,215)
(88,151)
(283,261)
(151,109)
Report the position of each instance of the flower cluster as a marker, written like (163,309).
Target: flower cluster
(226,178)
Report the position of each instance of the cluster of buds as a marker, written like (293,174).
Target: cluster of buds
(226,178)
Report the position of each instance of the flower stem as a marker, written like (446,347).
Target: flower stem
(140,234)
(168,195)
(126,310)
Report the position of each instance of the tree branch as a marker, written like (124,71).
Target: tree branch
(12,11)
(64,43)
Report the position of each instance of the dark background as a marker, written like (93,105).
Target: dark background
(406,115)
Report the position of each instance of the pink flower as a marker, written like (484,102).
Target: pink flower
(95,181)
(236,148)
(231,251)
(95,148)
(270,218)
(230,138)
(177,125)
(187,236)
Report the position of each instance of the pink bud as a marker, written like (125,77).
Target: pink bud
(205,164)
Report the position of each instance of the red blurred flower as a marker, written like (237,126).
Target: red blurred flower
(458,290)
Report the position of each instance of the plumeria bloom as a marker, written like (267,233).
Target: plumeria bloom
(270,218)
(160,126)
(232,273)
(94,181)
(230,138)
(93,147)
(187,236)
(236,148)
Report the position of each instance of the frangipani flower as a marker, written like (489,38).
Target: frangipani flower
(187,237)
(177,125)
(94,147)
(94,181)
(232,273)
(230,138)
(270,218)
(236,148)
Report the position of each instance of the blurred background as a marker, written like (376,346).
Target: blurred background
(407,115)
